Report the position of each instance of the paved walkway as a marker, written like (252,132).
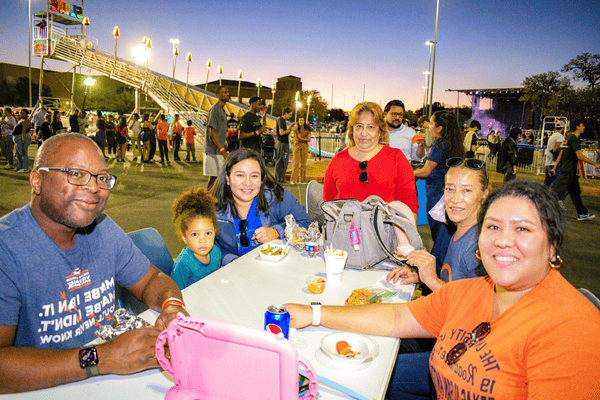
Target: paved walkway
(144,194)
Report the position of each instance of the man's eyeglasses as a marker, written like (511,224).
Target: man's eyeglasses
(478,334)
(81,177)
(363,176)
(396,114)
(371,129)
(471,163)
(244,239)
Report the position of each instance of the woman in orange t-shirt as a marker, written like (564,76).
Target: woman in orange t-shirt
(521,332)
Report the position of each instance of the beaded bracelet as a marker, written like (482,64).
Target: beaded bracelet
(173,301)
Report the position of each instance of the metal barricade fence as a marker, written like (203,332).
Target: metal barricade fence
(530,158)
(325,144)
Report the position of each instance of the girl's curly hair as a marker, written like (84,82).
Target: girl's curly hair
(192,204)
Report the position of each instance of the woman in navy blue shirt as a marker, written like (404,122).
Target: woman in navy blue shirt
(447,144)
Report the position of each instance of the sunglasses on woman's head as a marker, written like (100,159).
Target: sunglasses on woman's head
(471,163)
(244,239)
(363,176)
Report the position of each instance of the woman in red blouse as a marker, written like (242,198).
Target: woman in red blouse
(368,166)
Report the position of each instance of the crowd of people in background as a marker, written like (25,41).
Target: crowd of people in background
(494,259)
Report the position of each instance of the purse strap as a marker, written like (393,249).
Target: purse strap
(395,217)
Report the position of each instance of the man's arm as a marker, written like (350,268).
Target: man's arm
(583,158)
(553,170)
(282,127)
(28,368)
(153,289)
(245,132)
(217,142)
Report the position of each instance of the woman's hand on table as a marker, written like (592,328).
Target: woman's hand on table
(300,315)
(405,274)
(426,264)
(265,234)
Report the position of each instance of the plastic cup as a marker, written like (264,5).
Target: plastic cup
(335,261)
(315,284)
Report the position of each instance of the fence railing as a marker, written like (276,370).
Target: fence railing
(530,159)
(325,144)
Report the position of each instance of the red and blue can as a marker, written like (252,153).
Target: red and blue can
(277,319)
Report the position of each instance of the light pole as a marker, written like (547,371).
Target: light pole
(189,61)
(259,85)
(148,44)
(437,13)
(273,90)
(239,85)
(116,34)
(308,107)
(426,73)
(208,65)
(88,82)
(139,57)
(427,83)
(298,105)
(174,42)
(220,74)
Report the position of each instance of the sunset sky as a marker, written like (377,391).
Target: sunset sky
(347,44)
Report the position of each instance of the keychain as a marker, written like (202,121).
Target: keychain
(354,236)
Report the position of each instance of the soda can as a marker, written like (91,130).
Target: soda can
(277,319)
(311,249)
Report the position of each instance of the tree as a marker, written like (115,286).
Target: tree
(337,114)
(318,105)
(121,102)
(578,104)
(540,88)
(585,67)
(16,92)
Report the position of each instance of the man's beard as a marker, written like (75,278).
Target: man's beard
(392,126)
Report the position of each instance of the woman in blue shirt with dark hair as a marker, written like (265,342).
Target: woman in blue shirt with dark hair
(447,144)
(251,205)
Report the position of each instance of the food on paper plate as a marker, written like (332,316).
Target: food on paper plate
(272,250)
(345,350)
(359,297)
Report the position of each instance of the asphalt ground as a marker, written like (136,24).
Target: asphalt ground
(144,193)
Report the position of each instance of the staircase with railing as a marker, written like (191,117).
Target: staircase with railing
(176,97)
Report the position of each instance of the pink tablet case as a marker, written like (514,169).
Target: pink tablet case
(213,360)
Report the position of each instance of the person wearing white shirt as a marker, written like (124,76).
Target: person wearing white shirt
(401,136)
(8,123)
(552,150)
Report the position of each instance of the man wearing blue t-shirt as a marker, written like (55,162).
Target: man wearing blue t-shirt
(61,259)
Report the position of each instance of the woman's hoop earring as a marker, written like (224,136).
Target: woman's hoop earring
(477,254)
(557,263)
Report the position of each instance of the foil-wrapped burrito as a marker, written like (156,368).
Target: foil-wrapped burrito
(300,235)
(123,321)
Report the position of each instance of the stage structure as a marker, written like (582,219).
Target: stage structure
(500,109)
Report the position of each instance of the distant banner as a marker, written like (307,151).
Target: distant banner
(66,8)
(40,47)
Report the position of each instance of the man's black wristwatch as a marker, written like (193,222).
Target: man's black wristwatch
(88,360)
